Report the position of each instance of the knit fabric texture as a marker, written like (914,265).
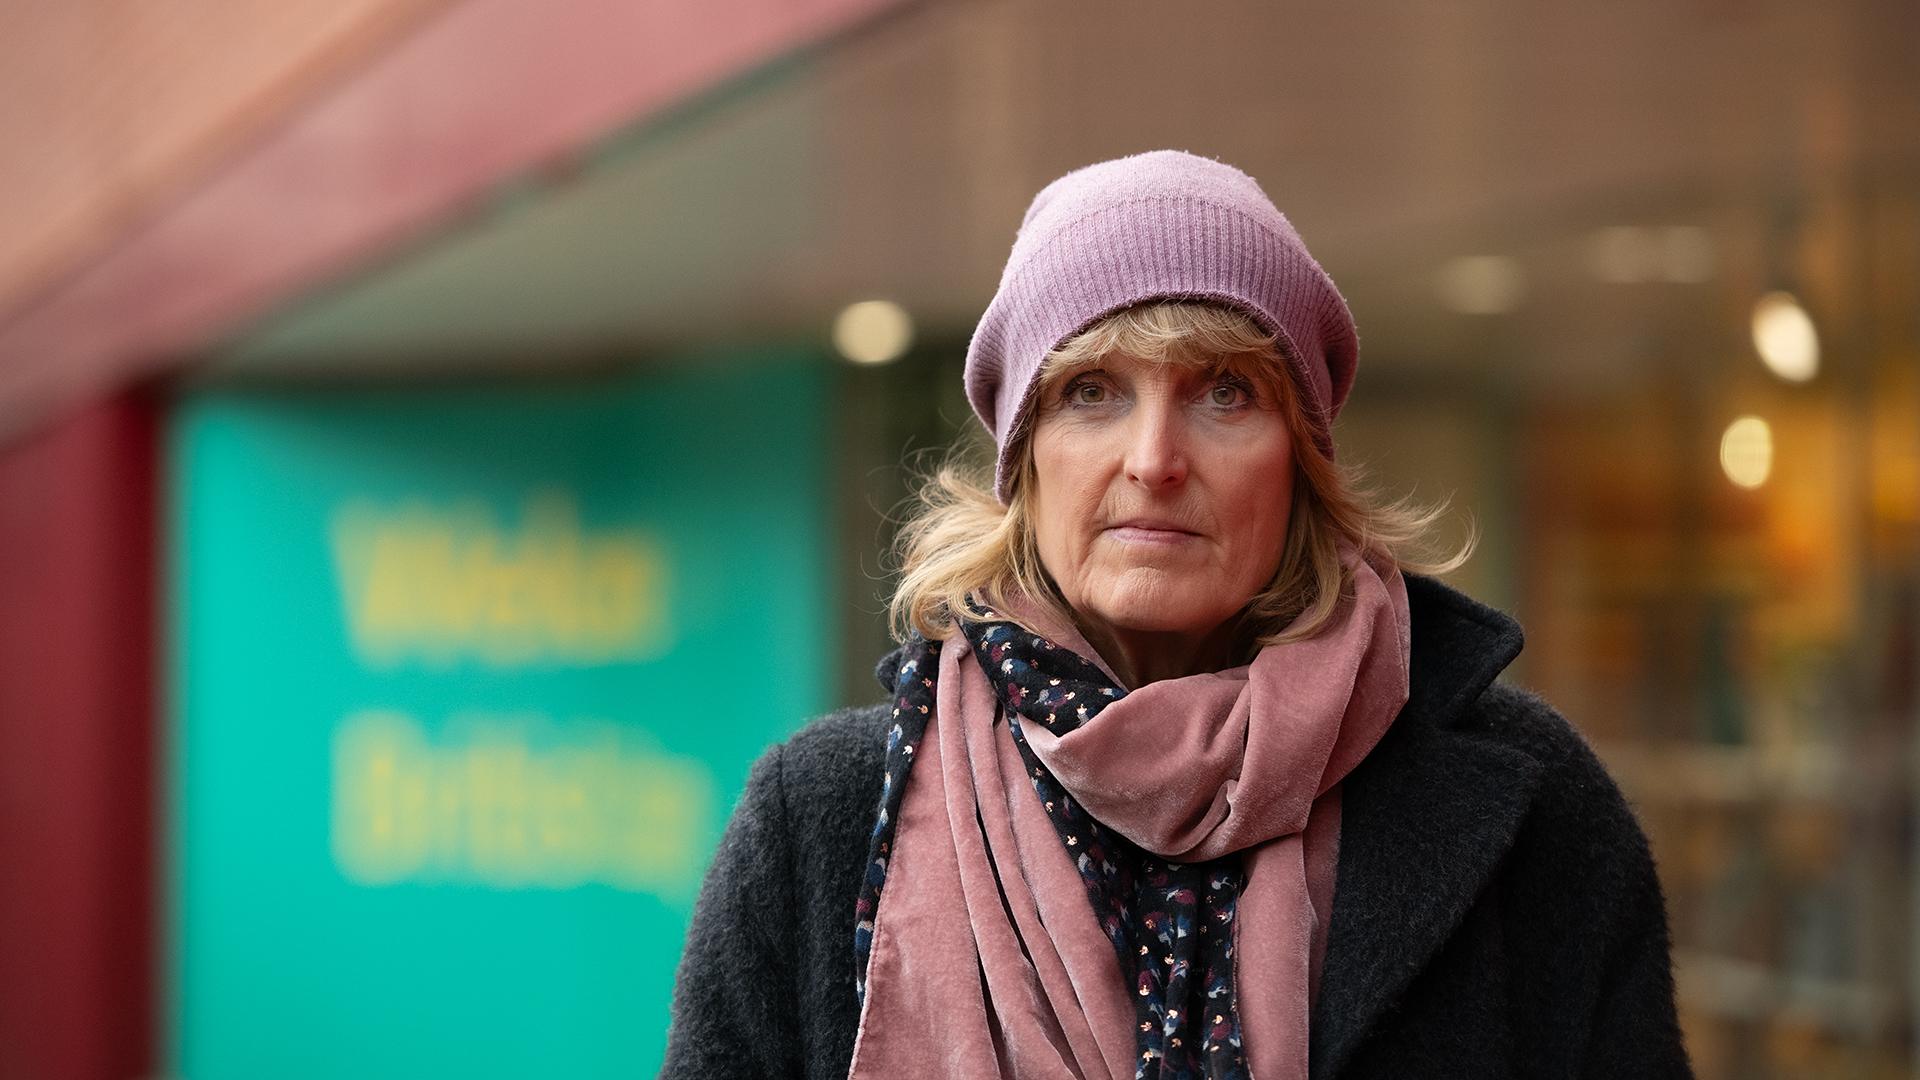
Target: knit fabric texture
(1159,225)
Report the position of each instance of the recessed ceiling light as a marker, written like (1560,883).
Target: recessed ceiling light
(1623,254)
(1482,284)
(1686,254)
(1746,451)
(1785,338)
(873,331)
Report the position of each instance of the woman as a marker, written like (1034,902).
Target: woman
(1185,771)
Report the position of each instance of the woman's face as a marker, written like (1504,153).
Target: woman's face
(1162,492)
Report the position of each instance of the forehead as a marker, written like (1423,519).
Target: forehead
(1175,363)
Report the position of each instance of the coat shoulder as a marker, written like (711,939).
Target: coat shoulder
(844,746)
(1574,774)
(1527,721)
(1588,935)
(774,922)
(831,772)
(1581,821)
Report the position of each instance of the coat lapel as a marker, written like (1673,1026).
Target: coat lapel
(1424,821)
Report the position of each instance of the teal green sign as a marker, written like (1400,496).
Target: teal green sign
(464,687)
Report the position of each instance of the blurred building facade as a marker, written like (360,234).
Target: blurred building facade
(484,377)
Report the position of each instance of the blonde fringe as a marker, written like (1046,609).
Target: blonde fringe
(957,542)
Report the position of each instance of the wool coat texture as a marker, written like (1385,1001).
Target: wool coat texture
(1496,911)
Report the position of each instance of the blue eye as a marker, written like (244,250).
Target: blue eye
(1229,392)
(1085,392)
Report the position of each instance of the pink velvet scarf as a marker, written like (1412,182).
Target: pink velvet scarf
(986,954)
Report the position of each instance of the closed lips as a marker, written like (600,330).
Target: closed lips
(1151,531)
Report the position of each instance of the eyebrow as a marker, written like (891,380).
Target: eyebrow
(1239,365)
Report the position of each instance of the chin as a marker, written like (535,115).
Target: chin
(1155,610)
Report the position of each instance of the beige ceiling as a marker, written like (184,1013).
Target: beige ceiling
(109,108)
(896,163)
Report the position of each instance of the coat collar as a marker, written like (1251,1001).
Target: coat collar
(1424,820)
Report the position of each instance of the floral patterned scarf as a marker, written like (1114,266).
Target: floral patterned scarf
(1178,806)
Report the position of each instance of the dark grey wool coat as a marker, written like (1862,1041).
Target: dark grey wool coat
(1495,913)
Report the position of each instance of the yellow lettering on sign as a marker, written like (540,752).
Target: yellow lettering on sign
(515,803)
(442,585)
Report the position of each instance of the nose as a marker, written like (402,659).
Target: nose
(1155,454)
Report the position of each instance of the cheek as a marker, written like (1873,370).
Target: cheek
(1049,537)
(1260,500)
(1062,483)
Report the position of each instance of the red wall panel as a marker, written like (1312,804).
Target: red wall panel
(77,739)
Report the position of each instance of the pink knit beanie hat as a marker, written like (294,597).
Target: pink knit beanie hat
(1160,225)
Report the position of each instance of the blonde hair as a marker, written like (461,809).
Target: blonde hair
(958,541)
